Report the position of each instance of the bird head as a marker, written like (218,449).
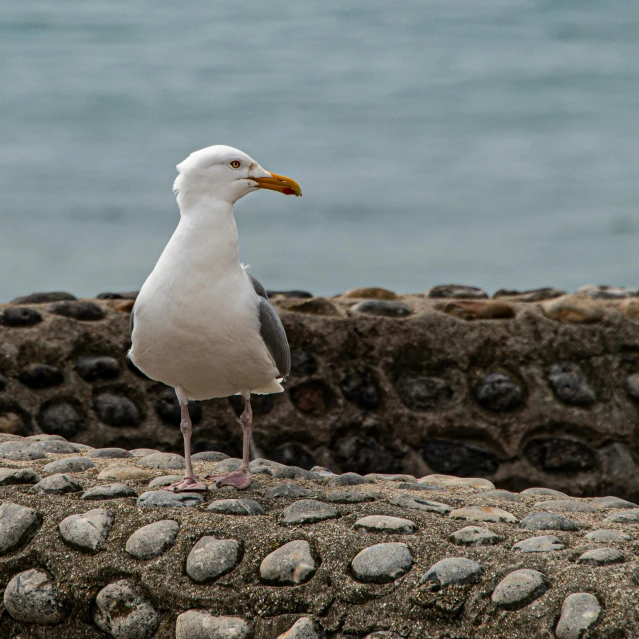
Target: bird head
(227,174)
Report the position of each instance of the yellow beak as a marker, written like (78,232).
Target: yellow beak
(280,183)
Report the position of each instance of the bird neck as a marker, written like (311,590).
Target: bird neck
(209,227)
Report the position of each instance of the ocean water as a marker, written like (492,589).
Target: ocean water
(493,143)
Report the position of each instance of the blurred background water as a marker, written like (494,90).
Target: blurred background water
(493,143)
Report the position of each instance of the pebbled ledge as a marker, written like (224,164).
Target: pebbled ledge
(533,388)
(96,562)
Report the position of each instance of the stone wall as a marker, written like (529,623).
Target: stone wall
(534,388)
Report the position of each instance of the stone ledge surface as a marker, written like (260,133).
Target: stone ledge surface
(327,577)
(534,388)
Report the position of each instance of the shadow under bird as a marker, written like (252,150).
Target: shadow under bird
(201,322)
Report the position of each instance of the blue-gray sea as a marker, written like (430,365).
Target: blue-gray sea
(491,142)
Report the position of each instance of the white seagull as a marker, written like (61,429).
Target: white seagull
(201,323)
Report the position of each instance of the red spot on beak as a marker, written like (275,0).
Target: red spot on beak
(287,191)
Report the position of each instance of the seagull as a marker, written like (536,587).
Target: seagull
(201,322)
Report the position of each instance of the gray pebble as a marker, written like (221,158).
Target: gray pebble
(383,308)
(303,628)
(109,491)
(483,513)
(163,461)
(167,499)
(519,588)
(165,480)
(544,543)
(43,437)
(153,539)
(324,472)
(475,536)
(418,486)
(392,477)
(548,521)
(612,502)
(31,597)
(294,472)
(288,491)
(143,452)
(87,531)
(209,456)
(227,466)
(56,446)
(236,507)
(454,571)
(570,384)
(417,503)
(501,495)
(20,451)
(15,476)
(385,524)
(212,558)
(628,517)
(200,624)
(540,492)
(307,511)
(59,484)
(382,563)
(289,565)
(69,465)
(564,506)
(351,497)
(122,611)
(18,524)
(110,453)
(349,479)
(607,535)
(601,557)
(578,612)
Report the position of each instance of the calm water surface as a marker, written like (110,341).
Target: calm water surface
(493,143)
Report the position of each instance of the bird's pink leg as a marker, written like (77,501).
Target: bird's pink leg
(241,478)
(190,481)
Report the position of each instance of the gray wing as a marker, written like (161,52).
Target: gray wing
(272,331)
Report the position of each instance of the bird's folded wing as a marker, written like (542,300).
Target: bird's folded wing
(272,331)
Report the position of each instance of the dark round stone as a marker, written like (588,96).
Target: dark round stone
(364,455)
(383,308)
(361,389)
(126,295)
(60,419)
(168,408)
(456,291)
(80,310)
(424,393)
(116,410)
(43,298)
(632,386)
(570,385)
(293,454)
(560,454)
(40,376)
(91,367)
(302,363)
(457,458)
(312,398)
(498,392)
(19,316)
(260,404)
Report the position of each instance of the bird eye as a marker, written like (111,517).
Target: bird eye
(236,164)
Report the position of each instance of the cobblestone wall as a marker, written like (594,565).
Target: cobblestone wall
(534,388)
